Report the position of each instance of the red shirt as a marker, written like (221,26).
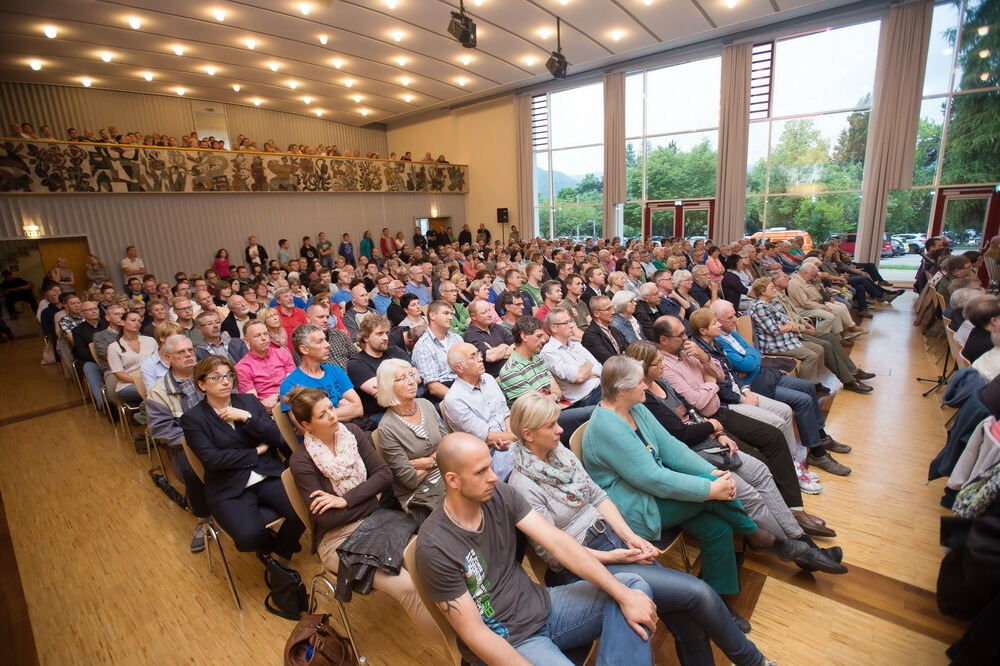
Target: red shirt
(297,317)
(541,312)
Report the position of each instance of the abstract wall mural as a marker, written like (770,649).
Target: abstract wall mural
(46,167)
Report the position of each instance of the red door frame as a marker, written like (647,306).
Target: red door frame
(678,206)
(942,195)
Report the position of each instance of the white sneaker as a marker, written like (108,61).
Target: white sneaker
(807,484)
(800,468)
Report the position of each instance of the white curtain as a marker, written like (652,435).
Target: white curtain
(614,148)
(525,166)
(892,129)
(734,129)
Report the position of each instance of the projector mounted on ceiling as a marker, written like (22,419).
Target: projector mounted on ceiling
(557,61)
(462,27)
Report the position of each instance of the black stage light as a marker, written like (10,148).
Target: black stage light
(462,27)
(557,61)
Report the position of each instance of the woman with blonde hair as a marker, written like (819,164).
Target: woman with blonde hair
(480,290)
(279,338)
(616,282)
(409,434)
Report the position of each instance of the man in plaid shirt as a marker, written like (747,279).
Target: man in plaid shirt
(778,335)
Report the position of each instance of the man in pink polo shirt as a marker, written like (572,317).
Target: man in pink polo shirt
(291,316)
(262,370)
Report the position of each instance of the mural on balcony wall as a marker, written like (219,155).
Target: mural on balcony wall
(46,167)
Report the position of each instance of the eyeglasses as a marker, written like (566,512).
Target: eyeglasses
(216,379)
(189,350)
(408,377)
(562,323)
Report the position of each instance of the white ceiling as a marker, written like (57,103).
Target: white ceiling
(361,38)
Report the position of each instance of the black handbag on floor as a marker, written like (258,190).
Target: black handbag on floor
(288,598)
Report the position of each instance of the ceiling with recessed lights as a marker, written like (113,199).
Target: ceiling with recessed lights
(353,61)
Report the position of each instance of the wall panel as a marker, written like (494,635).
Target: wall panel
(183,231)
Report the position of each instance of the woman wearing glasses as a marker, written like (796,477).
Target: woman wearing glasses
(235,439)
(409,435)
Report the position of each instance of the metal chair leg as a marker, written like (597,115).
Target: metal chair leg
(684,555)
(213,535)
(314,591)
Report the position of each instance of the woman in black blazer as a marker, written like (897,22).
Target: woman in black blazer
(236,441)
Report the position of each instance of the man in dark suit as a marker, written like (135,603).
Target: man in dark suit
(600,339)
(595,279)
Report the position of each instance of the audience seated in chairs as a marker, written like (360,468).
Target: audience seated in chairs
(238,444)
(340,475)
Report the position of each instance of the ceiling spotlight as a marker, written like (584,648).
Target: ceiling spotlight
(530,60)
(210,71)
(391,4)
(985,53)
(236,87)
(563,2)
(557,61)
(477,3)
(274,66)
(397,35)
(730,3)
(544,33)
(181,91)
(135,23)
(256,101)
(305,8)
(318,112)
(293,84)
(461,81)
(982,31)
(323,39)
(462,27)
(364,112)
(357,99)
(50,31)
(251,43)
(179,50)
(105,56)
(86,82)
(405,81)
(307,99)
(407,98)
(148,76)
(647,2)
(401,61)
(466,60)
(348,82)
(337,63)
(220,15)
(35,64)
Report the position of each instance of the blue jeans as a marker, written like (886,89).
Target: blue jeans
(592,399)
(582,613)
(95,378)
(689,608)
(800,395)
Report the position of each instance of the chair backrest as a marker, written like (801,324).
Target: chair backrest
(942,303)
(93,351)
(377,442)
(576,441)
(285,427)
(537,564)
(444,417)
(450,639)
(295,498)
(196,464)
(744,326)
(140,384)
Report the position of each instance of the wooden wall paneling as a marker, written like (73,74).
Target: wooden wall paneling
(74,250)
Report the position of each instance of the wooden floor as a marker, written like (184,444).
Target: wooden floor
(102,555)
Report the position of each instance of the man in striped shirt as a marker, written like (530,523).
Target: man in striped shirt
(526,371)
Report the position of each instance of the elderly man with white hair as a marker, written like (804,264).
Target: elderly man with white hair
(831,317)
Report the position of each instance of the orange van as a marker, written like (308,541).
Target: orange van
(777,234)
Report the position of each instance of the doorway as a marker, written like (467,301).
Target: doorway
(967,216)
(685,218)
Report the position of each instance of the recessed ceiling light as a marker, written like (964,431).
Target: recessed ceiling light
(135,22)
(982,31)
(348,82)
(478,3)
(563,2)
(251,43)
(105,56)
(86,82)
(256,101)
(616,35)
(305,8)
(35,64)
(236,87)
(323,39)
(307,99)
(364,112)
(179,50)
(318,112)
(466,60)
(337,63)
(461,80)
(181,91)
(391,4)
(985,53)
(647,2)
(985,76)
(730,3)
(219,14)
(405,81)
(407,98)
(148,76)
(544,33)
(530,60)
(401,61)
(210,70)
(397,35)
(50,31)
(293,84)
(274,66)
(356,98)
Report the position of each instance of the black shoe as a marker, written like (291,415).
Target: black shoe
(836,553)
(741,622)
(817,560)
(861,374)
(858,387)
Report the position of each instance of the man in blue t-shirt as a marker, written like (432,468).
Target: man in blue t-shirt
(311,344)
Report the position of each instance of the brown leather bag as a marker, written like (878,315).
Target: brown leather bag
(328,648)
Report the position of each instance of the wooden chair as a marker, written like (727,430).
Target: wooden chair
(285,426)
(449,638)
(669,538)
(212,530)
(377,443)
(321,579)
(125,410)
(444,417)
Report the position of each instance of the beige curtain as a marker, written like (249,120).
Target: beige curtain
(892,129)
(734,129)
(614,148)
(525,166)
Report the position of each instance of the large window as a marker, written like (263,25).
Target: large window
(958,138)
(672,136)
(568,138)
(806,148)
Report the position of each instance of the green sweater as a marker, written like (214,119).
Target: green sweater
(460,322)
(617,460)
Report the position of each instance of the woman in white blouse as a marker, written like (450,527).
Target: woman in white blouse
(126,354)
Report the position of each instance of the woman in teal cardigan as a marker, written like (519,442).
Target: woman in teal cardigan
(657,482)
